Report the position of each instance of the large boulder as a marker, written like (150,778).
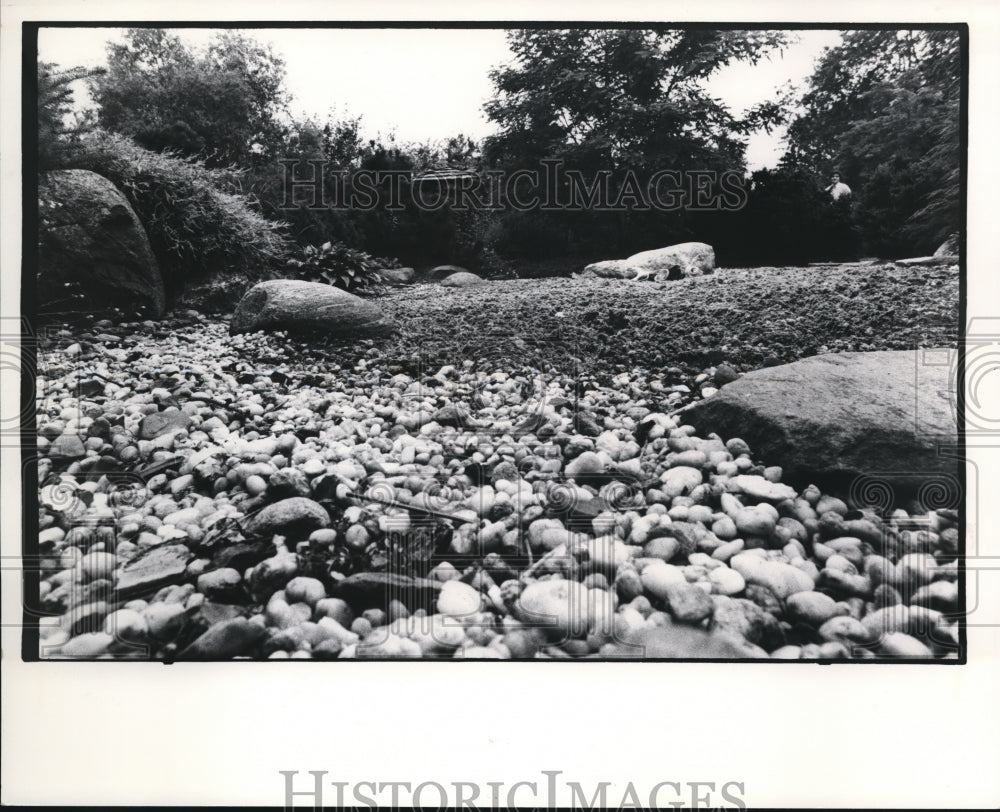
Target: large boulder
(675,261)
(88,235)
(846,421)
(462,279)
(289,304)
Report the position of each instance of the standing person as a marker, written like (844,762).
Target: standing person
(840,234)
(837,189)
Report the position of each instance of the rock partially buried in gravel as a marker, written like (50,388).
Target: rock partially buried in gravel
(297,516)
(834,418)
(171,419)
(463,279)
(290,304)
(158,567)
(225,640)
(372,590)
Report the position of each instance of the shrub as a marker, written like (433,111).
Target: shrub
(195,219)
(333,263)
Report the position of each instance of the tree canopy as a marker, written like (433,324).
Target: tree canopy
(633,98)
(883,108)
(226,103)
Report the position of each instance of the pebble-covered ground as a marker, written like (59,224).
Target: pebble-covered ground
(469,489)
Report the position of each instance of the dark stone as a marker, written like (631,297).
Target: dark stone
(586,425)
(689,604)
(225,640)
(157,567)
(158,423)
(744,617)
(296,517)
(89,236)
(286,483)
(504,470)
(87,617)
(764,598)
(375,590)
(687,535)
(724,374)
(582,512)
(451,414)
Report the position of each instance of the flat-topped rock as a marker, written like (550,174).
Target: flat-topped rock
(844,419)
(159,567)
(290,304)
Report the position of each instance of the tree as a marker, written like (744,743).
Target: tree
(883,108)
(226,104)
(58,128)
(632,98)
(617,101)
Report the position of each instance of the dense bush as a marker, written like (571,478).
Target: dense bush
(787,220)
(196,221)
(336,264)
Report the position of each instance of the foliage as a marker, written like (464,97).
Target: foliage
(416,235)
(224,104)
(336,264)
(194,217)
(624,98)
(617,101)
(883,110)
(56,133)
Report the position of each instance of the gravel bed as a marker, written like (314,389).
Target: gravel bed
(468,489)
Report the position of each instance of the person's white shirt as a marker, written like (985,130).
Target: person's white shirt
(838,190)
